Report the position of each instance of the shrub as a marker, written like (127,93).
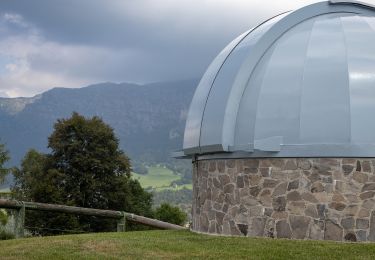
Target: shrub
(5,235)
(3,217)
(170,214)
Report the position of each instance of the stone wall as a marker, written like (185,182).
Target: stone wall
(331,199)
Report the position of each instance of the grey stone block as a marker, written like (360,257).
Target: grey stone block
(299,225)
(333,231)
(283,229)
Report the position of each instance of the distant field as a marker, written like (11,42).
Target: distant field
(4,192)
(158,178)
(185,186)
(177,245)
(178,187)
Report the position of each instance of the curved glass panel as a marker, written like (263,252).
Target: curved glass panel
(360,40)
(196,110)
(212,124)
(325,109)
(278,110)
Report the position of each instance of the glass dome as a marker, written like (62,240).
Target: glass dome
(301,84)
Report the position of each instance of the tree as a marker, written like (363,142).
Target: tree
(37,181)
(85,168)
(170,214)
(4,157)
(30,181)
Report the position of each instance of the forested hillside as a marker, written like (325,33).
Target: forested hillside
(148,119)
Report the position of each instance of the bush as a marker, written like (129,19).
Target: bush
(3,217)
(175,197)
(5,235)
(170,214)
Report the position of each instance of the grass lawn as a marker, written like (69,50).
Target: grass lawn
(157,177)
(176,245)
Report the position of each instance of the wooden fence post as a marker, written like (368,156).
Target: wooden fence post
(19,221)
(121,223)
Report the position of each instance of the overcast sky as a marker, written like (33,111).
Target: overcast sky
(74,43)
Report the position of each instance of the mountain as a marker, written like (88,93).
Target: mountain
(148,119)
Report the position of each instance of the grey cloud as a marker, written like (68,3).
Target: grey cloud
(137,40)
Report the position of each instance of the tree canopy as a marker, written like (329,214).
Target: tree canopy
(85,168)
(4,157)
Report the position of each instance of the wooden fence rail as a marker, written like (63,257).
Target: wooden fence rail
(121,216)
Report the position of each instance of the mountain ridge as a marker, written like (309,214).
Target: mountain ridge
(148,119)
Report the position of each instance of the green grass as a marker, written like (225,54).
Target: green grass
(176,245)
(157,178)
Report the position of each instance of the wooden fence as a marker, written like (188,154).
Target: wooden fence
(20,208)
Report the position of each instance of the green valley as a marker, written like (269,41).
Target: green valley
(160,178)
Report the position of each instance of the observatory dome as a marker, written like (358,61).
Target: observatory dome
(301,84)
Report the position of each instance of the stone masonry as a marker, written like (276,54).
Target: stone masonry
(331,199)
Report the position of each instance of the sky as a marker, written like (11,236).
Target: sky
(75,43)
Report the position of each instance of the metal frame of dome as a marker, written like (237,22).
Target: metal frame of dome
(352,2)
(223,127)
